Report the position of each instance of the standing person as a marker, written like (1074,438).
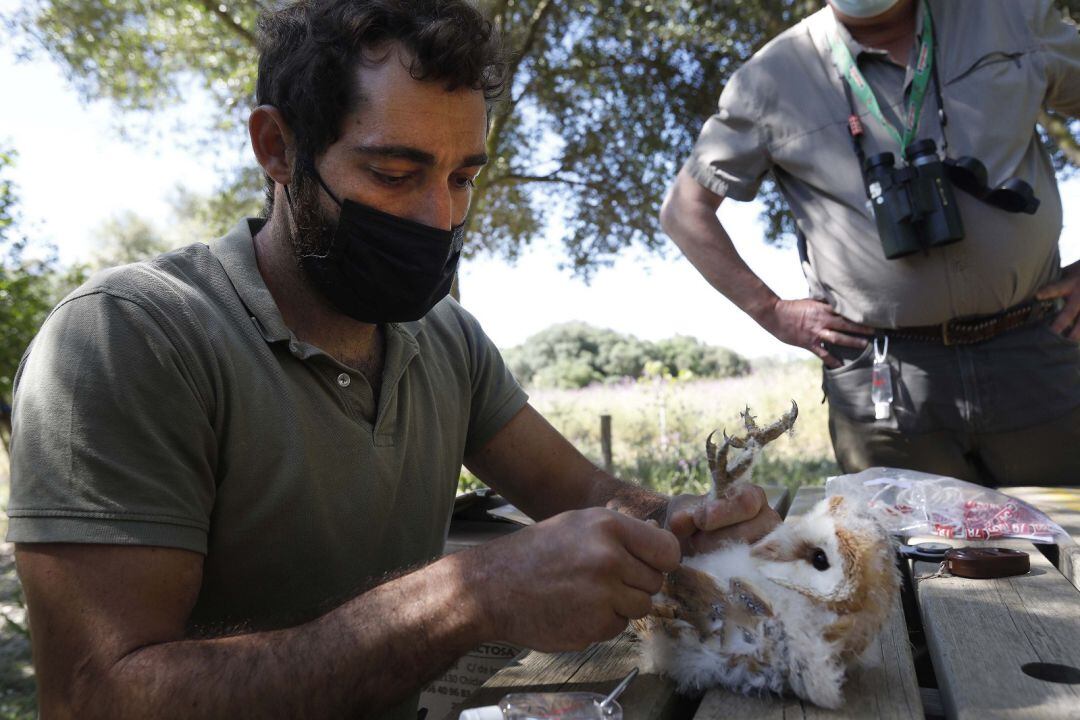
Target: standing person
(233,466)
(969,316)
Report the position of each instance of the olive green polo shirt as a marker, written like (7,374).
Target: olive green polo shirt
(166,403)
(785,111)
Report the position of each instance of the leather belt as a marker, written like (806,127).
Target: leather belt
(968,331)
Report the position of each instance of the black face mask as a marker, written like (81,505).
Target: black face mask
(383,268)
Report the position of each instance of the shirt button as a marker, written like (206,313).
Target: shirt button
(344,380)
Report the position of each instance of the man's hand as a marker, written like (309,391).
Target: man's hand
(573,579)
(741,513)
(1067,322)
(810,324)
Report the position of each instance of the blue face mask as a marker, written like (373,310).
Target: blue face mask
(862,8)
(383,268)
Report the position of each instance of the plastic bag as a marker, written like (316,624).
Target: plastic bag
(909,503)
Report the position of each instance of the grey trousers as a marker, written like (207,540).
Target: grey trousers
(1003,412)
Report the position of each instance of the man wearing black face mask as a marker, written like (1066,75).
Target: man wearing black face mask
(377,267)
(976,369)
(233,466)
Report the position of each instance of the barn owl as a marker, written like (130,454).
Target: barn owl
(789,612)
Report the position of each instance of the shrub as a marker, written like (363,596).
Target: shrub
(574,355)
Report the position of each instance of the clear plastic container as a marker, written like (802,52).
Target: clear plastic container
(541,706)
(881,392)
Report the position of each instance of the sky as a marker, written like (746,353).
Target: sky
(75,172)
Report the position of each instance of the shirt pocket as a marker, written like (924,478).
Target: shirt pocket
(1003,85)
(848,386)
(990,60)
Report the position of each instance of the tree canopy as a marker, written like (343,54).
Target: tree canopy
(607,97)
(32,279)
(30,283)
(573,355)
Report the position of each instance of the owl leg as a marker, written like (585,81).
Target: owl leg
(725,474)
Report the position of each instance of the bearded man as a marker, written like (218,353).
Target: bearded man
(902,135)
(233,466)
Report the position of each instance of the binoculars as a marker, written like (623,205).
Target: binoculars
(914,205)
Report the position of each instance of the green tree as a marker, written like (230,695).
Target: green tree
(606,99)
(573,355)
(200,215)
(560,356)
(129,237)
(125,239)
(683,353)
(29,286)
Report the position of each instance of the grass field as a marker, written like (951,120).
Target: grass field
(659,426)
(659,429)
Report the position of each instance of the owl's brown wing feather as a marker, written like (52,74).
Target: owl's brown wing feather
(694,598)
(688,596)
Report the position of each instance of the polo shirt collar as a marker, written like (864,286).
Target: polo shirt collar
(236,253)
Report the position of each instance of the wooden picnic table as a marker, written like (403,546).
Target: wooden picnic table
(1063,507)
(982,648)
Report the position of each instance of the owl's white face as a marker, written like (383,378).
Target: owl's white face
(817,555)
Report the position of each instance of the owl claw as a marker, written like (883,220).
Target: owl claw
(725,474)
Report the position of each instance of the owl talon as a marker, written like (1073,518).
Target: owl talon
(724,473)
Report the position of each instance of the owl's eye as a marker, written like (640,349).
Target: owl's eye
(820,560)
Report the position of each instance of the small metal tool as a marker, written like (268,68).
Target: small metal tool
(606,702)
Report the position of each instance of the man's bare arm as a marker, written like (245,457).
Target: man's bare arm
(688,216)
(108,623)
(108,640)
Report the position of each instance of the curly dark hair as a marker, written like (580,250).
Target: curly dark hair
(309,49)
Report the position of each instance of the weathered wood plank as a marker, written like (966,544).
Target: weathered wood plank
(649,697)
(470,533)
(1063,507)
(885,686)
(598,669)
(533,672)
(980,634)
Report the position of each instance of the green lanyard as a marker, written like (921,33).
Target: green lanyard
(924,64)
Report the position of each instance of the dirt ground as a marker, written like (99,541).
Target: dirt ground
(16,673)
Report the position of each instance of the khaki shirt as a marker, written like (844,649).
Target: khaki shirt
(166,403)
(785,110)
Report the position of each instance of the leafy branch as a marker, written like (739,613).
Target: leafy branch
(233,25)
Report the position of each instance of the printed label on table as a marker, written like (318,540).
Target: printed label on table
(444,695)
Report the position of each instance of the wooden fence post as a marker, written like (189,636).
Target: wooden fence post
(605,442)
